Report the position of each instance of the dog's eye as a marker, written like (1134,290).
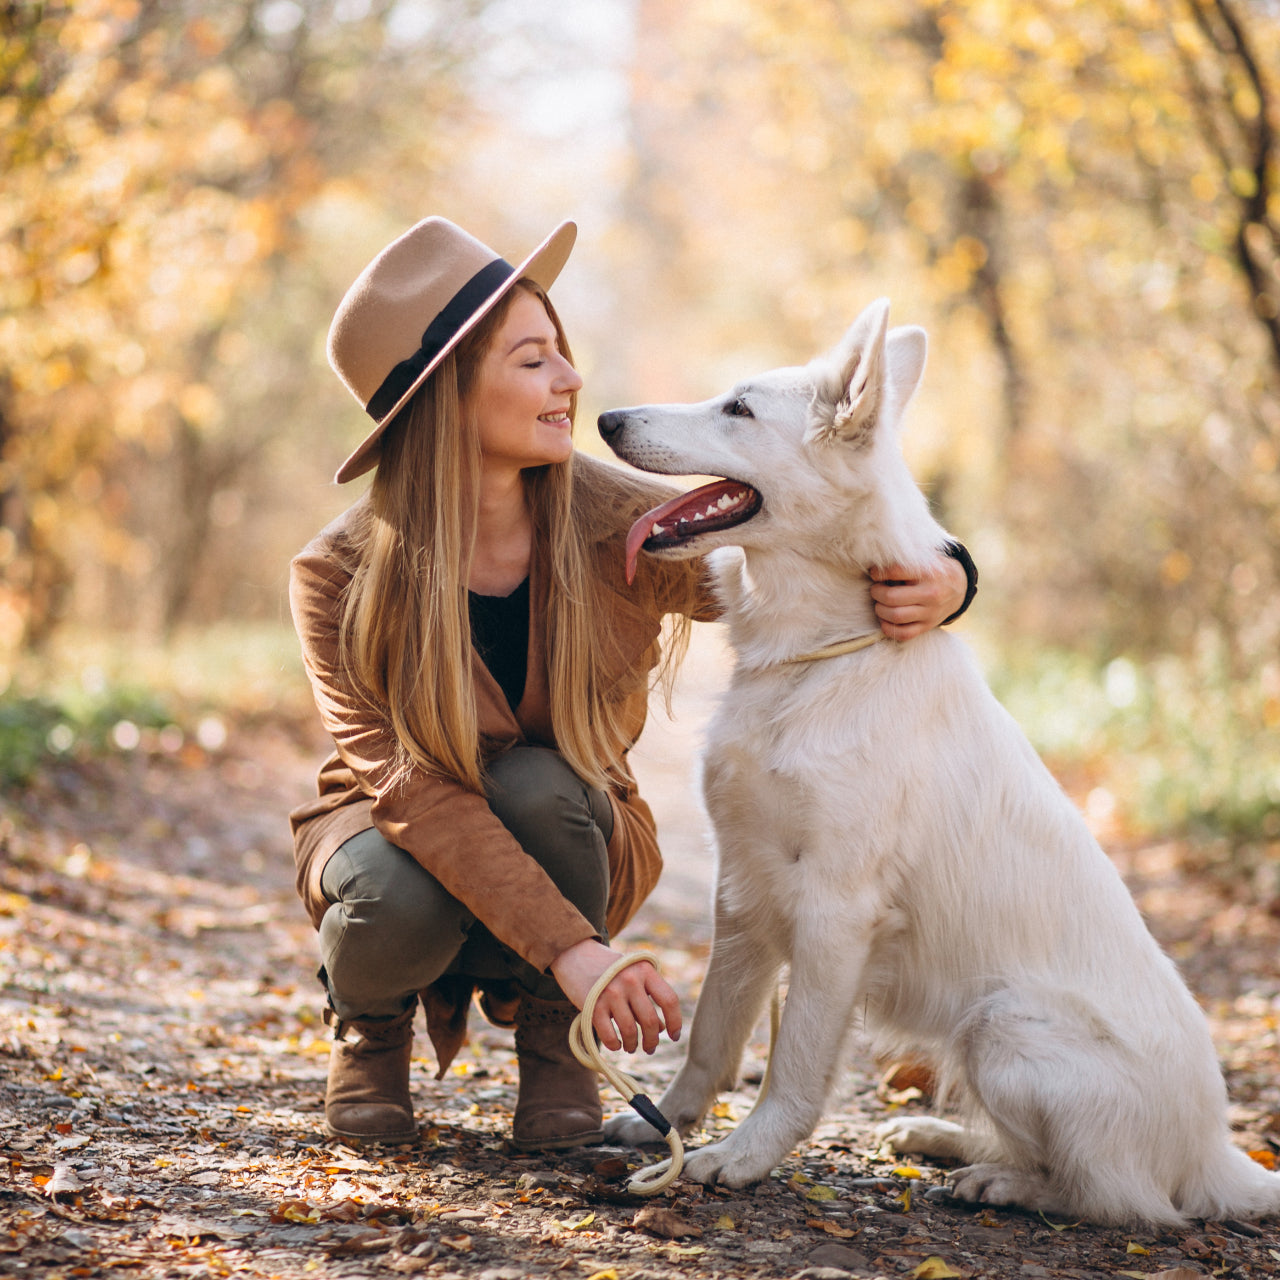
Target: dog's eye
(738,409)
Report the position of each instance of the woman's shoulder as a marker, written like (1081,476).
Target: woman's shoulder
(336,542)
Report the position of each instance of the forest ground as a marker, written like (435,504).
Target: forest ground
(162,1066)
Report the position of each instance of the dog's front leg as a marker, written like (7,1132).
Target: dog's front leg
(745,961)
(825,985)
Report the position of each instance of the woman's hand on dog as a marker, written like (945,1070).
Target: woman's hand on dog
(632,1010)
(909,604)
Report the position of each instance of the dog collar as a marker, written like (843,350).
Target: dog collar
(840,647)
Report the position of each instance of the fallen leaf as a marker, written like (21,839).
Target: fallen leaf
(723,1223)
(822,1193)
(907,1171)
(1137,1248)
(581,1223)
(369,1242)
(1060,1226)
(344,1211)
(904,1199)
(691,1251)
(63,1182)
(935,1268)
(831,1228)
(459,1244)
(1267,1159)
(905,1078)
(408,1264)
(607,1274)
(296,1211)
(658,1221)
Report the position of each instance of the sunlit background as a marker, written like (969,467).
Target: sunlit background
(1080,199)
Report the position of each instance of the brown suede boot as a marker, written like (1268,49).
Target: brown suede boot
(368,1093)
(559,1100)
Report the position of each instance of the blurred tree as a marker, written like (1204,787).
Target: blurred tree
(1088,186)
(161,160)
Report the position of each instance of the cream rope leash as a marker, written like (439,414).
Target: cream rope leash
(837,649)
(582,1040)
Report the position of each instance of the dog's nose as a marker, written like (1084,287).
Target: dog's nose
(611,423)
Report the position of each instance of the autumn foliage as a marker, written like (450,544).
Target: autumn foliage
(1080,200)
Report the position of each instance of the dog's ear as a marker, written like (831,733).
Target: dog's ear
(850,381)
(905,351)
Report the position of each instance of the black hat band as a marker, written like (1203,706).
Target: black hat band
(439,334)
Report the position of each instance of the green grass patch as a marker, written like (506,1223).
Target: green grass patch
(1180,745)
(93,695)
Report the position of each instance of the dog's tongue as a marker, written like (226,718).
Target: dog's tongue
(642,530)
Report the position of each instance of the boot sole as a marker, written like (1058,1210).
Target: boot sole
(563,1143)
(396,1138)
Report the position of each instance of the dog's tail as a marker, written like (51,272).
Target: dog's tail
(1233,1186)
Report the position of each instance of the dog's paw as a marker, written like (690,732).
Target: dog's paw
(1001,1184)
(923,1136)
(720,1163)
(628,1130)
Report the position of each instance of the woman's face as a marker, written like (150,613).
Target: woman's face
(522,391)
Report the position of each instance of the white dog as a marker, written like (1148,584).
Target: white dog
(885,830)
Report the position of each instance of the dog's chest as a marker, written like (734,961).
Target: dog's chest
(774,784)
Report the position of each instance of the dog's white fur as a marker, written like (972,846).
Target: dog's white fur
(885,829)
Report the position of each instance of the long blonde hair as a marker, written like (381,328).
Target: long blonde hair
(405,634)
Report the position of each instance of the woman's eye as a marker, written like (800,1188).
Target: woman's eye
(738,409)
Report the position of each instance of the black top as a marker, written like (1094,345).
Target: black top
(500,633)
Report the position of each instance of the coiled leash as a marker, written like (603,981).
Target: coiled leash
(586,1048)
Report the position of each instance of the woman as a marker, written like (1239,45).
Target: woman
(483,669)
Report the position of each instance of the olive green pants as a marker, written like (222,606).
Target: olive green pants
(393,929)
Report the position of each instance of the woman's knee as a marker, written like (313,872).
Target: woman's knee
(392,928)
(561,822)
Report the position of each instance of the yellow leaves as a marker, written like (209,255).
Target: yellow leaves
(1137,1249)
(1242,182)
(296,1211)
(609,1273)
(1060,1226)
(821,1192)
(1266,1158)
(906,1171)
(935,1268)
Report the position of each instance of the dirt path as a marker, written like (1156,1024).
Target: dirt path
(162,1065)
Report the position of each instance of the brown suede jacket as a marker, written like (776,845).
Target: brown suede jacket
(451,831)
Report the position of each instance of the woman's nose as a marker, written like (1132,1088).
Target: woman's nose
(570,379)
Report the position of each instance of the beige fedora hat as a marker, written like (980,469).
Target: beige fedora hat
(412,305)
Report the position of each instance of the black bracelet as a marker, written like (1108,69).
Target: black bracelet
(958,551)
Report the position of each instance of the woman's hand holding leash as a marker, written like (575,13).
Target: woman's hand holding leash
(633,1010)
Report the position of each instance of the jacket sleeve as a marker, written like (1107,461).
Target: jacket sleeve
(449,830)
